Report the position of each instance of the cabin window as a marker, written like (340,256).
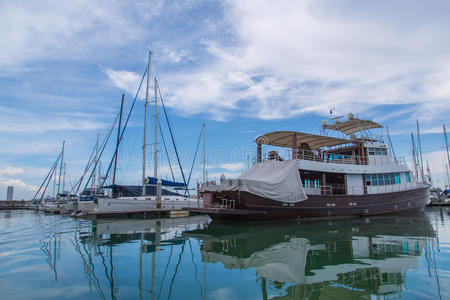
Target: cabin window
(383,179)
(377,151)
(397,177)
(316,183)
(407,177)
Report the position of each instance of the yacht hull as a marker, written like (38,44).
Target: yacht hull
(252,207)
(138,204)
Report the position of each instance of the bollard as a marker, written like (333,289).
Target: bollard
(158,193)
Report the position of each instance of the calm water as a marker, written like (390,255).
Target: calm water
(51,256)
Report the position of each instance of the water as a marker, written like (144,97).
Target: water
(52,256)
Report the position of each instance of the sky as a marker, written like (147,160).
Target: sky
(241,67)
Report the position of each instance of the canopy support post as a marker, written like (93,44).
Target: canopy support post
(294,145)
(259,152)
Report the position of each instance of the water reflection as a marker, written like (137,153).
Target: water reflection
(151,236)
(335,259)
(194,258)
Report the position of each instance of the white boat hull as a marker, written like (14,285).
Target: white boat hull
(136,204)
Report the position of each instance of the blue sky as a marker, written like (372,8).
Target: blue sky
(241,67)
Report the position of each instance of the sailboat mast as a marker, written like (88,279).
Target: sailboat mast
(155,171)
(446,146)
(64,177)
(420,151)
(145,123)
(60,168)
(54,180)
(448,177)
(204,153)
(118,140)
(93,185)
(414,157)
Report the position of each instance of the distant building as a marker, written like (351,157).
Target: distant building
(9,193)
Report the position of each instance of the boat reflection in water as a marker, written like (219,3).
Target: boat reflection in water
(194,258)
(114,267)
(338,259)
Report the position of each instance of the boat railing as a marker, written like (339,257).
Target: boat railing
(224,203)
(325,157)
(390,188)
(340,189)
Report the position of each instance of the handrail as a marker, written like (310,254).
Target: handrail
(359,190)
(325,157)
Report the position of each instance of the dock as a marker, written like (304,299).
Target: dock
(151,213)
(16,204)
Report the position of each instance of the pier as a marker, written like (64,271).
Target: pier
(17,204)
(151,213)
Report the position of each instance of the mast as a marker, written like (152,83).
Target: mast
(155,171)
(414,157)
(420,151)
(429,173)
(118,140)
(64,177)
(204,153)
(448,177)
(145,123)
(391,147)
(446,147)
(54,181)
(93,185)
(99,180)
(60,168)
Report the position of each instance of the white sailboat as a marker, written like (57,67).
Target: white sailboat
(155,193)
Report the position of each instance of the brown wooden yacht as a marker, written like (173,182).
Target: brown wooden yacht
(322,177)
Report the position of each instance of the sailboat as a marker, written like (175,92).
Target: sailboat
(154,193)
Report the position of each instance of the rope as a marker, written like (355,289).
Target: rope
(167,152)
(195,156)
(45,180)
(171,135)
(124,128)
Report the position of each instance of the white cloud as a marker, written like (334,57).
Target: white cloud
(232,166)
(127,81)
(17,183)
(9,170)
(175,56)
(69,30)
(305,56)
(22,121)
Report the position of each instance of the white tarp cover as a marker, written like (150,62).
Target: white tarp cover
(275,180)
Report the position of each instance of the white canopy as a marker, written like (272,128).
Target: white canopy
(275,180)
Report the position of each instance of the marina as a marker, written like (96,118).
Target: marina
(231,149)
(48,256)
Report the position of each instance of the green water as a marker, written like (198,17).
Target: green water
(57,257)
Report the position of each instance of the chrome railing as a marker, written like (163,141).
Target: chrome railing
(370,189)
(325,157)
